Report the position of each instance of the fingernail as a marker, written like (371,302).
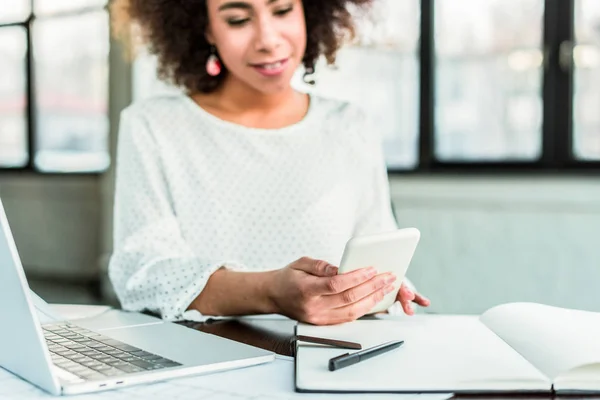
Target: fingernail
(388,289)
(390,279)
(371,271)
(331,270)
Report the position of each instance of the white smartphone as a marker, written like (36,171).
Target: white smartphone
(387,252)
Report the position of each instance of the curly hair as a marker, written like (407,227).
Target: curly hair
(173,30)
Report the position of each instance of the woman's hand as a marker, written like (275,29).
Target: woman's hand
(311,291)
(406,297)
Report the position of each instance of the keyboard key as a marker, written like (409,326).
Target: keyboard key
(114,361)
(101,368)
(90,334)
(81,339)
(78,358)
(100,357)
(118,364)
(122,346)
(143,364)
(51,336)
(105,358)
(91,364)
(113,372)
(141,353)
(170,364)
(76,347)
(53,328)
(152,357)
(129,368)
(114,352)
(159,360)
(95,344)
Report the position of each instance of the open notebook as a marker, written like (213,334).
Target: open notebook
(517,347)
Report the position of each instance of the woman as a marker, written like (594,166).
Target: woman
(238,196)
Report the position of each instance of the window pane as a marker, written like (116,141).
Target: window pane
(14,10)
(383,70)
(13,99)
(488,79)
(587,80)
(58,6)
(71,76)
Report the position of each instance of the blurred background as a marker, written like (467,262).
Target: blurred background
(491,116)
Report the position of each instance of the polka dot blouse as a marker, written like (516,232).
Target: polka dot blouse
(195,193)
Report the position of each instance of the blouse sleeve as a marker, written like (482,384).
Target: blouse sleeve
(152,267)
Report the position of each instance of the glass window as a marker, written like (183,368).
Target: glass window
(13,97)
(383,69)
(71,82)
(586,116)
(489,61)
(14,10)
(41,7)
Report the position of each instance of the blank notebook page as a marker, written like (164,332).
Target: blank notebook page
(440,353)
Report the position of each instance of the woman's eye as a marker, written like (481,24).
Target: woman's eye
(283,11)
(238,21)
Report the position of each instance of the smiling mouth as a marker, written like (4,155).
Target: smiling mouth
(270,66)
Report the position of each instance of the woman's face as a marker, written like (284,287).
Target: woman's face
(261,42)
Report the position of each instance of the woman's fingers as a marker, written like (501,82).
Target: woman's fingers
(356,310)
(421,300)
(359,292)
(406,296)
(340,283)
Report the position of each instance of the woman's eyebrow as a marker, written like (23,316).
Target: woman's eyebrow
(241,4)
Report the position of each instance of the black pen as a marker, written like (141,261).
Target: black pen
(349,359)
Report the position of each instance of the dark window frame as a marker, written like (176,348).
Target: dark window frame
(30,126)
(557,133)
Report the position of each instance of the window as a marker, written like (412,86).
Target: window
(587,80)
(383,67)
(471,85)
(488,75)
(13,99)
(54,113)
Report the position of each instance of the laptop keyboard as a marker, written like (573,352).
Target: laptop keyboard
(90,355)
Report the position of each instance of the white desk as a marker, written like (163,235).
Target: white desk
(272,381)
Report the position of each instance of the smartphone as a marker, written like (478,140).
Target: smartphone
(387,252)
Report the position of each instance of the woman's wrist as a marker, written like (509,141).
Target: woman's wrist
(229,293)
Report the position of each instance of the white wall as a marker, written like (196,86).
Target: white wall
(490,240)
(485,240)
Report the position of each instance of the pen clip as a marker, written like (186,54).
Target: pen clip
(329,342)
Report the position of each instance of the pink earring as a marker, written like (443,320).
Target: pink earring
(213,64)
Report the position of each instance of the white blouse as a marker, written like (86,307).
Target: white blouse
(195,193)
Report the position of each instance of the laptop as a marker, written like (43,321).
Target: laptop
(112,350)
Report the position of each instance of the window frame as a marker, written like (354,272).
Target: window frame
(557,157)
(30,91)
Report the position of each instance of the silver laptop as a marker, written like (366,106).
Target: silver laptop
(112,350)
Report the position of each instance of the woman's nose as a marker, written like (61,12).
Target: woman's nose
(267,37)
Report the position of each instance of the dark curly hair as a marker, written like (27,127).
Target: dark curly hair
(173,30)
